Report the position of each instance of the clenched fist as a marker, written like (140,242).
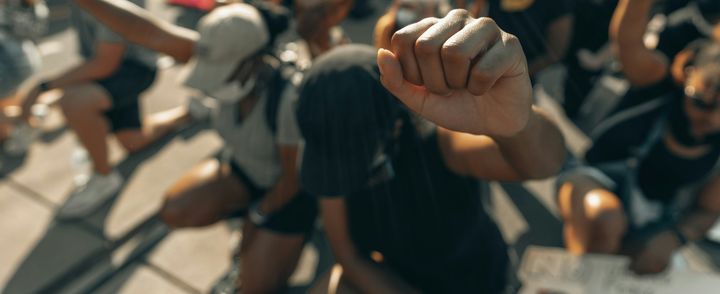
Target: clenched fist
(462,73)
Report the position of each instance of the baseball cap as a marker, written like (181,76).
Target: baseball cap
(345,116)
(228,35)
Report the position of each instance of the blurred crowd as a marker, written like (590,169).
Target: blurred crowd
(384,147)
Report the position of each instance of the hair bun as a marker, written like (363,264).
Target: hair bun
(277,18)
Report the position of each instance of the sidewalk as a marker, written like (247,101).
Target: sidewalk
(124,248)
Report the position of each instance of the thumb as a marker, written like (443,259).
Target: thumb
(392,79)
(390,71)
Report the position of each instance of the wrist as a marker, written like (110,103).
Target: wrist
(523,132)
(256,215)
(679,236)
(45,86)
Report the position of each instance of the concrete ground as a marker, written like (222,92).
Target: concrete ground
(124,248)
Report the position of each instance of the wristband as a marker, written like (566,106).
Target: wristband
(256,216)
(44,86)
(679,235)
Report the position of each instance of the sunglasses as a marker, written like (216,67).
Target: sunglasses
(698,100)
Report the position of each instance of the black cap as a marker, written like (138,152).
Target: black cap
(345,115)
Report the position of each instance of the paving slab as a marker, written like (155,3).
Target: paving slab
(140,279)
(122,257)
(197,256)
(147,176)
(35,250)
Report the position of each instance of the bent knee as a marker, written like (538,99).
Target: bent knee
(183,215)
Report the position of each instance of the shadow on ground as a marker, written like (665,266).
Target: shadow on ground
(70,250)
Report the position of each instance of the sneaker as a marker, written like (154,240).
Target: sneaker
(88,197)
(20,139)
(199,109)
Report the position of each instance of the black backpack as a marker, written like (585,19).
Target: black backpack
(280,80)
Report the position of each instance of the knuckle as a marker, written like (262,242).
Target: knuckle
(401,39)
(458,13)
(486,21)
(482,75)
(511,40)
(426,47)
(454,53)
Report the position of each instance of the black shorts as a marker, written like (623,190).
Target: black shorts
(124,87)
(296,217)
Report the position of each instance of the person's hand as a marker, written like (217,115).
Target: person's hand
(461,73)
(655,256)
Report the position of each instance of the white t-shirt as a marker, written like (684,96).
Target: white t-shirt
(253,146)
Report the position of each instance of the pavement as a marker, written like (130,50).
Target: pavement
(124,248)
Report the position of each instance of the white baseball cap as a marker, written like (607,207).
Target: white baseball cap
(228,35)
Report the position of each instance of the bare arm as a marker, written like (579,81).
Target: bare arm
(362,273)
(106,61)
(558,40)
(641,66)
(138,26)
(535,153)
(700,220)
(287,186)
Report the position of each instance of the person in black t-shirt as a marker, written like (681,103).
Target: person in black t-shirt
(398,194)
(589,51)
(629,199)
(544,28)
(651,184)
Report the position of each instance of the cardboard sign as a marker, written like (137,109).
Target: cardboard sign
(554,270)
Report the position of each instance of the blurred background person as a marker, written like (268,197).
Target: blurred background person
(402,13)
(544,27)
(21,22)
(101,96)
(650,183)
(231,60)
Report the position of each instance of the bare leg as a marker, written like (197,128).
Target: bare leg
(154,127)
(333,282)
(203,196)
(268,259)
(594,219)
(83,107)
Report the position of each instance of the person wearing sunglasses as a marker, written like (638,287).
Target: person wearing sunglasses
(650,184)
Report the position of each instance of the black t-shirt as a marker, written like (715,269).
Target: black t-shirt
(530,24)
(660,173)
(402,200)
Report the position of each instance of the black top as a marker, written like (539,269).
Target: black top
(660,173)
(530,24)
(402,200)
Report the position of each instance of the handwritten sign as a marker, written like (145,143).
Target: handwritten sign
(554,270)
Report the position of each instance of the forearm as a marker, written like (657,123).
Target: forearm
(280,194)
(697,223)
(536,152)
(629,22)
(641,66)
(139,26)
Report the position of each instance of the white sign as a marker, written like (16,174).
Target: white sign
(555,271)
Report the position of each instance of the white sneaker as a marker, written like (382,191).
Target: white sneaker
(88,197)
(199,108)
(20,139)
